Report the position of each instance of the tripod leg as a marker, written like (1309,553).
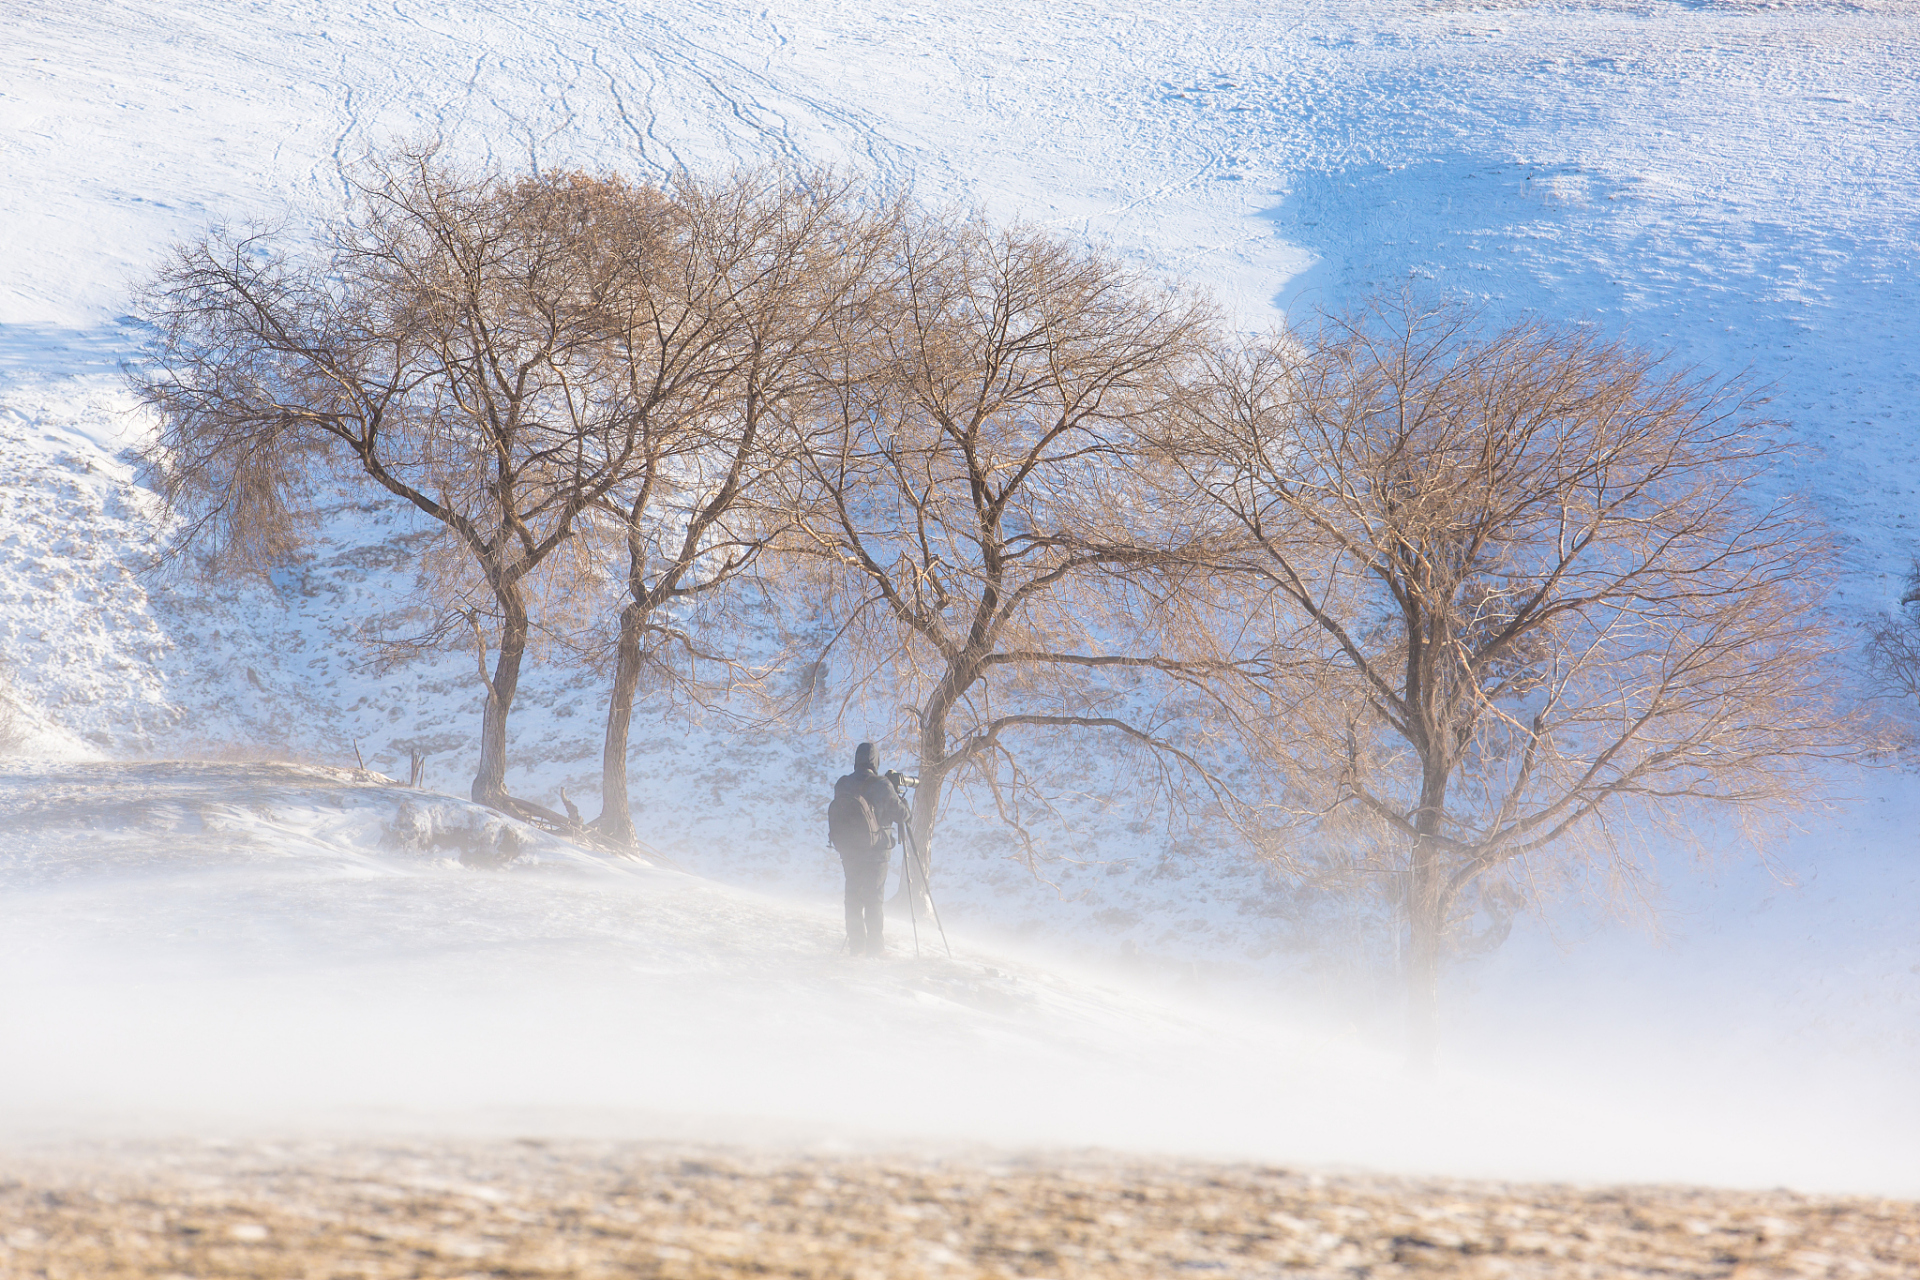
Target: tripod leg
(913,856)
(906,872)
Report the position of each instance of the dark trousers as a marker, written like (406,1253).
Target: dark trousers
(866,886)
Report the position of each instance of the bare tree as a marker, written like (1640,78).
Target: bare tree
(985,557)
(767,264)
(447,341)
(1522,598)
(1893,644)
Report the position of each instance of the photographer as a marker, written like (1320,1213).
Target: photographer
(860,823)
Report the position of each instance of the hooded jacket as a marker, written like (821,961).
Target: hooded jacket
(886,802)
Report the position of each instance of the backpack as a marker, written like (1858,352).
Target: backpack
(852,825)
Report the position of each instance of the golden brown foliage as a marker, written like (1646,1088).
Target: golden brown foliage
(1519,599)
(983,556)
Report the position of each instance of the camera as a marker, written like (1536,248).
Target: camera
(899,779)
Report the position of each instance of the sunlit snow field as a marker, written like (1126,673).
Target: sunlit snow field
(1734,182)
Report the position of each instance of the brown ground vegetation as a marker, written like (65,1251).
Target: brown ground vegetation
(577,1209)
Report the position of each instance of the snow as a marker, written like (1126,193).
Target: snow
(1731,181)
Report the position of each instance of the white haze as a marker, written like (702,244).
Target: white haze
(245,946)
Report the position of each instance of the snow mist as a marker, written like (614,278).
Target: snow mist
(246,947)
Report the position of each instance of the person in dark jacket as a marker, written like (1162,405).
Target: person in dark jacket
(866,867)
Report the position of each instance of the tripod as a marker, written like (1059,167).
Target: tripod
(910,861)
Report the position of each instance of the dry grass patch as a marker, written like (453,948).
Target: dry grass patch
(374,1211)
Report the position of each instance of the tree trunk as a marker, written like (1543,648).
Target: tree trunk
(490,782)
(926,806)
(1426,927)
(616,814)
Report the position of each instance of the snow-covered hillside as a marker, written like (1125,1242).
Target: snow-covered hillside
(1733,181)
